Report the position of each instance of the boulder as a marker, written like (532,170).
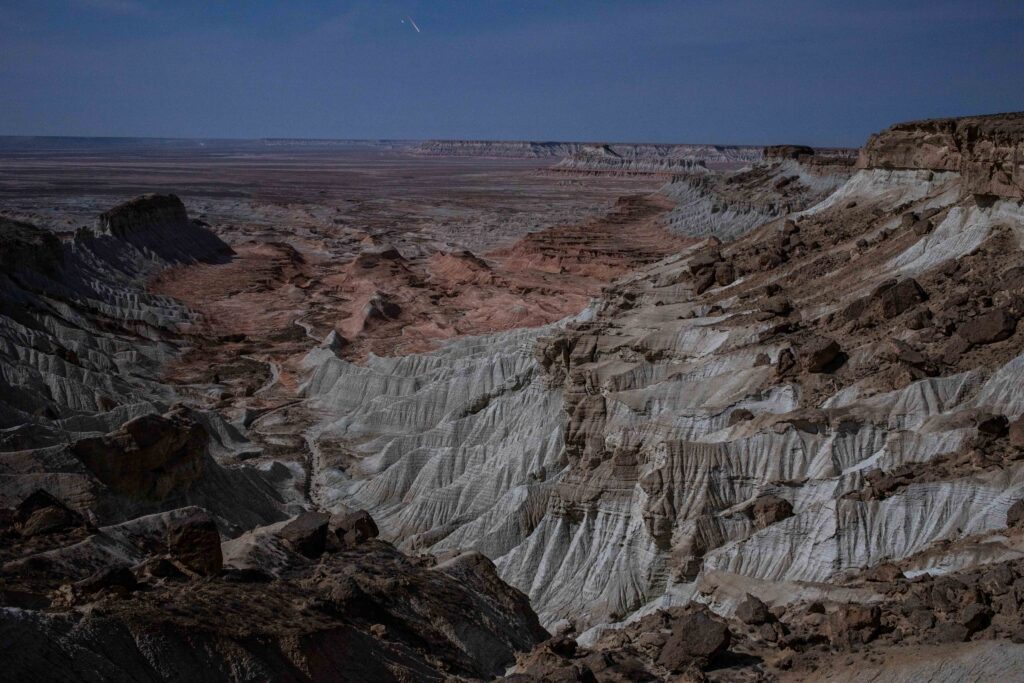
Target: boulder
(1015,514)
(998,580)
(194,542)
(1016,432)
(725,274)
(902,353)
(895,297)
(354,528)
(854,624)
(704,261)
(150,457)
(306,533)
(109,577)
(993,425)
(949,632)
(40,513)
(922,619)
(703,281)
(975,617)
(753,611)
(922,227)
(988,328)
(819,353)
(696,638)
(769,509)
(786,362)
(777,305)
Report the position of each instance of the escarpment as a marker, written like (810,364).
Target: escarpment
(785,441)
(787,414)
(592,156)
(986,151)
(790,178)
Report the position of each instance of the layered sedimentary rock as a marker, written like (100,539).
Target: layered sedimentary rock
(986,150)
(790,178)
(158,226)
(495,148)
(629,160)
(591,156)
(779,415)
(794,432)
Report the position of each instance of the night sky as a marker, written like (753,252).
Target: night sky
(759,72)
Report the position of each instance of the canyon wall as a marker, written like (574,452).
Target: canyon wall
(829,393)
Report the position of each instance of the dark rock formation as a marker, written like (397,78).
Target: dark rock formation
(194,542)
(354,528)
(819,353)
(787,151)
(753,611)
(158,225)
(24,246)
(988,328)
(696,639)
(150,457)
(768,510)
(307,533)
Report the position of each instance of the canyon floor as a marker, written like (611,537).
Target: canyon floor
(313,410)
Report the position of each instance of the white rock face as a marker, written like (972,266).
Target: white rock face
(456,448)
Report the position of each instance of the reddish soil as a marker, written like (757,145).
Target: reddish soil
(256,310)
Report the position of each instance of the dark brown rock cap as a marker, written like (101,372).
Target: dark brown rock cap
(787,151)
(985,150)
(141,213)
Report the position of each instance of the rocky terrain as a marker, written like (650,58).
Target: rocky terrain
(776,415)
(748,422)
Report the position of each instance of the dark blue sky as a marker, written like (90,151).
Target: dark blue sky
(803,71)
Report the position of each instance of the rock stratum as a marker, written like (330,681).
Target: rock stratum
(784,440)
(594,156)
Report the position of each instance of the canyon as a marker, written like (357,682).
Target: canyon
(466,410)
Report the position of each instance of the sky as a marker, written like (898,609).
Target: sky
(816,72)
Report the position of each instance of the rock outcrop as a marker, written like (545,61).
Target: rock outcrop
(987,151)
(728,205)
(84,414)
(149,600)
(158,226)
